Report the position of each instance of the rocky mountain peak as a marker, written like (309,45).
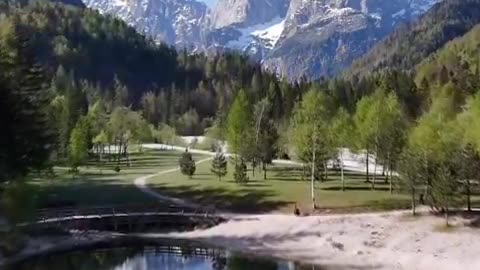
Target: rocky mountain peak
(247,12)
(295,38)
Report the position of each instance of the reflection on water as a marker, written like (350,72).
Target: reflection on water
(153,258)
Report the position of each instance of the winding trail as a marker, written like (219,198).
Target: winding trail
(142,184)
(352,162)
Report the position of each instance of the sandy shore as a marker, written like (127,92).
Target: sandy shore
(365,241)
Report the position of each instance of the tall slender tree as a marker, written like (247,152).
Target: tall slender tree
(309,132)
(341,132)
(240,127)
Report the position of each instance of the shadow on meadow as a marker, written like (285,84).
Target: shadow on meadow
(244,200)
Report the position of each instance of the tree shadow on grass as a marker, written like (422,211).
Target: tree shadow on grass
(85,192)
(244,200)
(356,188)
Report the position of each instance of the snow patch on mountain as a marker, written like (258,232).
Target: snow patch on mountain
(271,34)
(421,6)
(267,33)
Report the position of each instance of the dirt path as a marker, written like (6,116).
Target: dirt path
(142,184)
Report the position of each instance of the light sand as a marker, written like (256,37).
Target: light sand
(365,241)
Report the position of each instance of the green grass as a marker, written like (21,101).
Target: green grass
(98,183)
(283,188)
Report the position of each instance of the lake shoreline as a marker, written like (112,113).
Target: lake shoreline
(388,240)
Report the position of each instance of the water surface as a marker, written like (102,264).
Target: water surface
(155,258)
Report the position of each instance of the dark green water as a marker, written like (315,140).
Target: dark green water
(154,258)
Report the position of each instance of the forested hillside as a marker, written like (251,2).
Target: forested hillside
(101,57)
(410,44)
(75,81)
(458,60)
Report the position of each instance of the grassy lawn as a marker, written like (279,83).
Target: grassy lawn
(284,187)
(99,184)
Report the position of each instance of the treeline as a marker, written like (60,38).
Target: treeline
(100,57)
(76,83)
(421,126)
(410,44)
(104,84)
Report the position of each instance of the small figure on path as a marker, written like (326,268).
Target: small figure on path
(421,199)
(296,210)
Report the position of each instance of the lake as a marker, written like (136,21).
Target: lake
(164,257)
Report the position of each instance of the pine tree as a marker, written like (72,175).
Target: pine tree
(219,165)
(240,174)
(27,138)
(187,164)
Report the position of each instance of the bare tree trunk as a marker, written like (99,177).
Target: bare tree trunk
(341,171)
(374,173)
(119,152)
(264,171)
(391,180)
(446,217)
(326,170)
(254,165)
(413,202)
(469,201)
(127,157)
(368,159)
(387,176)
(314,205)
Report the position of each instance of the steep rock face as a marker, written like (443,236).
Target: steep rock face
(322,37)
(250,26)
(295,38)
(247,12)
(176,22)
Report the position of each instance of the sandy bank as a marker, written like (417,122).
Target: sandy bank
(365,241)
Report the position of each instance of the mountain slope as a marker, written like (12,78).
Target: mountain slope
(458,61)
(176,22)
(410,44)
(321,38)
(95,47)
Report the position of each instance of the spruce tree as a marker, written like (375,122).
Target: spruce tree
(27,139)
(240,174)
(219,165)
(187,164)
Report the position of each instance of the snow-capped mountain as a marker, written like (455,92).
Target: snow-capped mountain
(295,38)
(176,22)
(322,37)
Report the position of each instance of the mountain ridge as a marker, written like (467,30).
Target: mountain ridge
(325,35)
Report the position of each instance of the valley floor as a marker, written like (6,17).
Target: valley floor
(393,240)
